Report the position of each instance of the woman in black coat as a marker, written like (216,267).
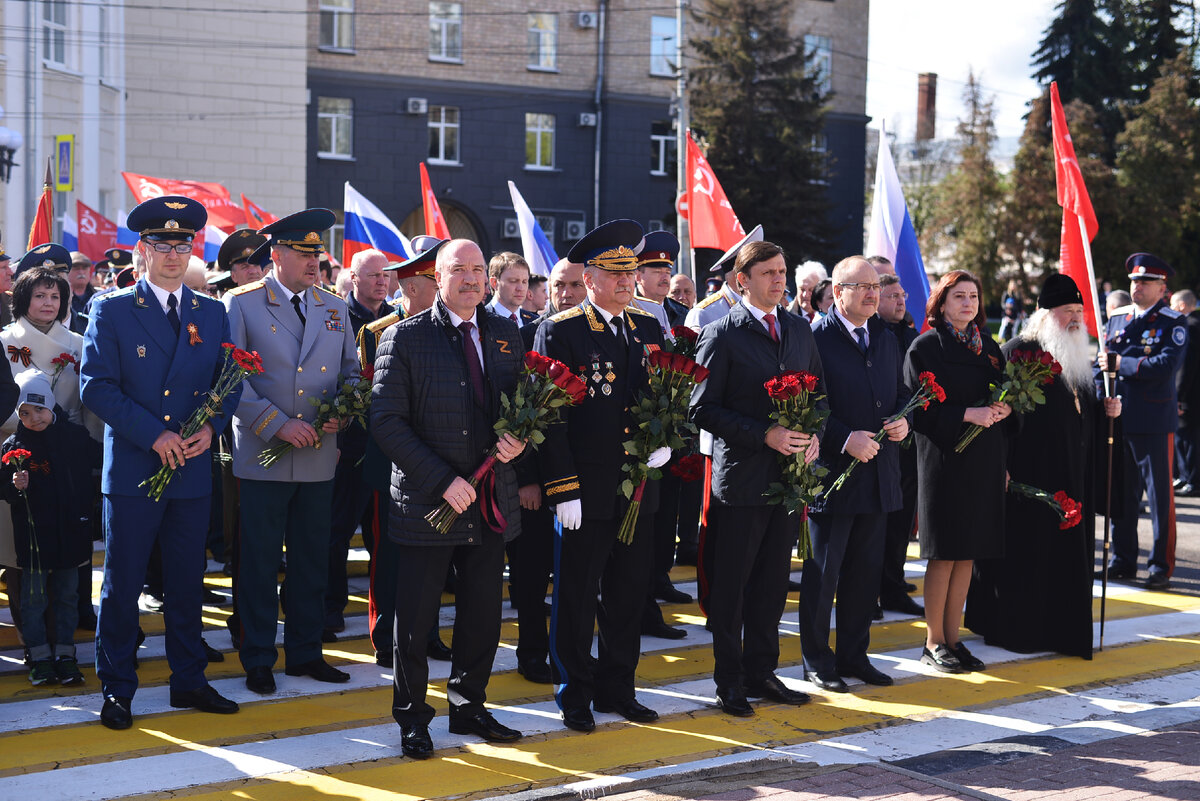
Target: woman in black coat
(960,509)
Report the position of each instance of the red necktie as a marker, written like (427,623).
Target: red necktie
(474,368)
(770,321)
(513,317)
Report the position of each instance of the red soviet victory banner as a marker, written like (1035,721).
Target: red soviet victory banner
(435,223)
(222,211)
(711,221)
(97,233)
(256,216)
(1075,254)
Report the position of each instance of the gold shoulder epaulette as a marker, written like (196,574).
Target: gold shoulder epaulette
(566,315)
(375,326)
(710,300)
(636,310)
(239,290)
(640,299)
(327,292)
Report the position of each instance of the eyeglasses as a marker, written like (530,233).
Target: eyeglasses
(183,248)
(860,285)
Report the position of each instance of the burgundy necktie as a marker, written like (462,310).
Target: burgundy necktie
(513,317)
(473,365)
(770,321)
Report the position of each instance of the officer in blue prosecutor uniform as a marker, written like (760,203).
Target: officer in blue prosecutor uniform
(1149,339)
(151,352)
(304,337)
(606,342)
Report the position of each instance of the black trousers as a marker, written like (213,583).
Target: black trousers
(897,530)
(1185,452)
(531,563)
(351,499)
(381,597)
(590,561)
(420,576)
(847,553)
(751,548)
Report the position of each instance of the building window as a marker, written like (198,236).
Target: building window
(337,24)
(539,141)
(820,50)
(333,238)
(102,44)
(335,127)
(54,32)
(445,31)
(543,41)
(443,135)
(662,46)
(662,148)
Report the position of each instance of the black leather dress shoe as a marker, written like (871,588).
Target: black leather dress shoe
(536,671)
(733,702)
(383,658)
(260,680)
(211,653)
(869,674)
(905,606)
(320,670)
(878,614)
(830,682)
(482,724)
(774,689)
(328,635)
(579,719)
(968,660)
(416,742)
(116,714)
(943,659)
(1158,580)
(664,631)
(436,649)
(910,587)
(206,699)
(666,591)
(630,710)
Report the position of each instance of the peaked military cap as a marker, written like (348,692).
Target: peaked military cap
(725,263)
(661,247)
(238,247)
(48,254)
(422,263)
(1147,267)
(167,217)
(612,246)
(301,231)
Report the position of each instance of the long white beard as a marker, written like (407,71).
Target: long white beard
(1071,349)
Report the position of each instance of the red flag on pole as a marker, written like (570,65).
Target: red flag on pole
(43,220)
(1079,223)
(256,216)
(96,232)
(222,211)
(435,223)
(711,220)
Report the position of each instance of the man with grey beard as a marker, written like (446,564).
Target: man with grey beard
(1039,596)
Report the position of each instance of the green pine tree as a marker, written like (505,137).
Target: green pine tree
(758,105)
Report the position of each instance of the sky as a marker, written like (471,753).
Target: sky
(952,37)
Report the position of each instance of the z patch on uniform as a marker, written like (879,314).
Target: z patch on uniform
(1179,335)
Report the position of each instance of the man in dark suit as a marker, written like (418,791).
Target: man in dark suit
(865,386)
(1187,385)
(438,380)
(1148,339)
(605,341)
(751,540)
(893,588)
(151,353)
(508,275)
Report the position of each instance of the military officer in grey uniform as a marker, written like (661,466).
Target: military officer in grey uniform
(304,336)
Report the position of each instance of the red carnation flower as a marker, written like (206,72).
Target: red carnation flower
(17,455)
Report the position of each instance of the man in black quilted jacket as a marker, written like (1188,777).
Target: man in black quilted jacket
(438,380)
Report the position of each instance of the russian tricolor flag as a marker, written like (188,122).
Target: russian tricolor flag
(540,257)
(70,233)
(214,237)
(367,227)
(892,234)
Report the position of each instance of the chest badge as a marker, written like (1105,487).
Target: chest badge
(141,351)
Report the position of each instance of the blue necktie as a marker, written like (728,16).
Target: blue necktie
(861,335)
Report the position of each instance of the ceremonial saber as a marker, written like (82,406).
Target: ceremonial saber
(1110,368)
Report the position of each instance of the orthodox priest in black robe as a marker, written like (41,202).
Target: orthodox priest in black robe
(1039,596)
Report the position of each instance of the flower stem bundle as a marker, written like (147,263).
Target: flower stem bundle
(17,458)
(1025,373)
(795,399)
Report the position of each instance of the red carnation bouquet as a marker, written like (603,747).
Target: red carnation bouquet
(795,399)
(351,402)
(60,363)
(239,365)
(547,385)
(928,391)
(16,458)
(1025,373)
(1070,512)
(660,418)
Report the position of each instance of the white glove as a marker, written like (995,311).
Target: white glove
(570,514)
(659,457)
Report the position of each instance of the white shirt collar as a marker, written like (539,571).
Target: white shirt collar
(289,294)
(758,313)
(503,310)
(849,325)
(457,321)
(608,318)
(161,295)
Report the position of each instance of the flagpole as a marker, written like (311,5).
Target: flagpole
(1091,271)
(682,124)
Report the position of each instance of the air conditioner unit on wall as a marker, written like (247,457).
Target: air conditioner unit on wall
(510,228)
(417,105)
(585,19)
(587,120)
(574,230)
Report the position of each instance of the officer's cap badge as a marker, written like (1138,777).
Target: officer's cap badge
(42,249)
(175,206)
